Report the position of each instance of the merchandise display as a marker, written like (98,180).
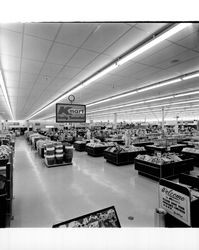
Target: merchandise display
(122,155)
(165,166)
(165,158)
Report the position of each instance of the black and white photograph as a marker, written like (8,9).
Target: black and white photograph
(99,123)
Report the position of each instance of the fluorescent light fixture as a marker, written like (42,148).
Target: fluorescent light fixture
(3,87)
(154,42)
(191,76)
(100,74)
(130,56)
(187,93)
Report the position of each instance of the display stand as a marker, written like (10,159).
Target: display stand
(57,165)
(193,155)
(6,169)
(95,151)
(169,171)
(120,159)
(173,148)
(142,144)
(180,201)
(81,147)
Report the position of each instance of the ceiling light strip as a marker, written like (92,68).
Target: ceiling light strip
(4,90)
(165,35)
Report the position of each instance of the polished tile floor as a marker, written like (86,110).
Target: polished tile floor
(45,196)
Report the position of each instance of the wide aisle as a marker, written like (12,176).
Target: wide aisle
(45,196)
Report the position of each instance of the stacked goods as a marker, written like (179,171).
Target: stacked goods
(100,144)
(49,154)
(68,154)
(122,149)
(4,154)
(191,150)
(59,156)
(165,158)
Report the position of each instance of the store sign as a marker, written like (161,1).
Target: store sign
(70,113)
(102,218)
(175,203)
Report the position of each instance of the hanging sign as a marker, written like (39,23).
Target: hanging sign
(175,202)
(70,113)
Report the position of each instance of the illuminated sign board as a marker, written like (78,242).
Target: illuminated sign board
(70,113)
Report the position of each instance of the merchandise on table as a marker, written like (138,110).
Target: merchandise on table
(5,152)
(122,149)
(191,150)
(165,158)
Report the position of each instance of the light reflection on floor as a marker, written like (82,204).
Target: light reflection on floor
(45,196)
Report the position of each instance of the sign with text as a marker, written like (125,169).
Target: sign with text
(175,203)
(70,112)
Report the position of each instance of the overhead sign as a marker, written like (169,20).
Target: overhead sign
(70,113)
(175,203)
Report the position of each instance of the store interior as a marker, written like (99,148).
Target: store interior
(95,115)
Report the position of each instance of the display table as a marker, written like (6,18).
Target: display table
(193,155)
(142,144)
(173,148)
(95,151)
(123,158)
(119,141)
(169,170)
(81,147)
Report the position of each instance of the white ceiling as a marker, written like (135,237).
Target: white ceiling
(40,61)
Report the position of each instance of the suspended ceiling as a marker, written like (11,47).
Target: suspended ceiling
(40,61)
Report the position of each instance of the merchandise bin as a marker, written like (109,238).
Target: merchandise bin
(68,154)
(81,147)
(119,159)
(142,144)
(170,171)
(173,148)
(95,151)
(193,155)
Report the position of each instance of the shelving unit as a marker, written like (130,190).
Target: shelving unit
(6,199)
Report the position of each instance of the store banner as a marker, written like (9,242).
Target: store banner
(70,113)
(175,203)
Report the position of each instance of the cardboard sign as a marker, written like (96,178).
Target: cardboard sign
(175,203)
(70,113)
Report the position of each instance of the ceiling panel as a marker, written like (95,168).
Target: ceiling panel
(28,77)
(17,27)
(31,66)
(184,33)
(82,58)
(150,28)
(191,41)
(132,68)
(129,40)
(75,33)
(98,63)
(35,48)
(10,43)
(104,36)
(60,53)
(162,55)
(42,30)
(10,63)
(51,69)
(11,76)
(69,72)
(182,57)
